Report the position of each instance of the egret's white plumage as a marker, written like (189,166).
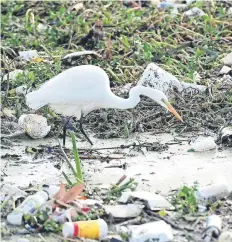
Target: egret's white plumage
(83,89)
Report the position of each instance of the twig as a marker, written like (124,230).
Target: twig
(174,225)
(13,135)
(42,237)
(120,180)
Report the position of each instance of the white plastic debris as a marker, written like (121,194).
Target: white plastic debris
(227,60)
(8,191)
(194,12)
(80,53)
(28,206)
(225,236)
(52,190)
(213,227)
(21,90)
(124,211)
(225,70)
(210,193)
(156,77)
(214,221)
(12,75)
(152,200)
(34,125)
(90,202)
(155,231)
(28,54)
(203,144)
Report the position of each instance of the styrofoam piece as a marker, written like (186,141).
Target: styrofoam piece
(124,211)
(154,231)
(28,54)
(152,201)
(156,77)
(215,191)
(203,144)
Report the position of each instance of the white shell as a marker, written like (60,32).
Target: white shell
(34,125)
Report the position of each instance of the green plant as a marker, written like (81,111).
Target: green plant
(77,171)
(185,200)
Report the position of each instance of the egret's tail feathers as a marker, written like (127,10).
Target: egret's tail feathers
(34,100)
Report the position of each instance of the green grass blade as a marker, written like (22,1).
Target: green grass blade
(77,159)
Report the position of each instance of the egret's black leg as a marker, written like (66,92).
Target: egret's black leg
(65,129)
(82,130)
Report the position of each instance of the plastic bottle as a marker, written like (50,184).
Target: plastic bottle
(28,206)
(92,229)
(213,227)
(154,231)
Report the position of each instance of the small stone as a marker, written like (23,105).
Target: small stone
(227,60)
(225,70)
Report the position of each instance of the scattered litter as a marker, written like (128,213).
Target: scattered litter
(203,144)
(21,90)
(213,227)
(92,229)
(81,53)
(225,70)
(225,236)
(156,77)
(154,231)
(8,191)
(214,192)
(13,75)
(194,12)
(152,200)
(29,206)
(225,135)
(124,211)
(34,125)
(227,60)
(28,55)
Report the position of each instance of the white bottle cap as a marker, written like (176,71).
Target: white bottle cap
(43,194)
(103,228)
(68,230)
(52,190)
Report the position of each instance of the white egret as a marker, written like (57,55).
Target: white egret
(82,89)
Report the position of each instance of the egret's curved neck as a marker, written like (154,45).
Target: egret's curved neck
(133,100)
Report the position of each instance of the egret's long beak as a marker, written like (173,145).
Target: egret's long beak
(172,110)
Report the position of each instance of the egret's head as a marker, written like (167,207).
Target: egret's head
(162,99)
